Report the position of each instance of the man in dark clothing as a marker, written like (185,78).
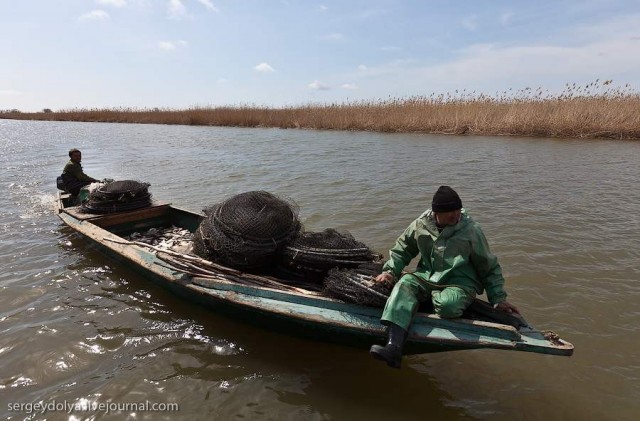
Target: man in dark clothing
(73,176)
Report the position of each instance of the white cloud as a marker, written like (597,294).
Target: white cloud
(114,3)
(488,68)
(319,86)
(9,92)
(528,64)
(172,45)
(579,53)
(94,15)
(616,28)
(166,45)
(506,18)
(371,13)
(349,86)
(264,68)
(208,5)
(362,67)
(333,37)
(470,23)
(323,8)
(587,53)
(390,48)
(223,81)
(176,10)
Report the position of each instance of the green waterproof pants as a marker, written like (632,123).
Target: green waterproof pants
(449,302)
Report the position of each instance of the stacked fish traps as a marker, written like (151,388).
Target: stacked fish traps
(258,233)
(312,254)
(118,196)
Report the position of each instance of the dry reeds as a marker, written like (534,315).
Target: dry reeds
(596,110)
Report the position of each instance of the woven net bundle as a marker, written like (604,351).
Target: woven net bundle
(246,231)
(118,196)
(312,254)
(357,285)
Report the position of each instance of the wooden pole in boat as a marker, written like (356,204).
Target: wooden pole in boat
(232,273)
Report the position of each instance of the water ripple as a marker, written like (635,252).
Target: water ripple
(563,217)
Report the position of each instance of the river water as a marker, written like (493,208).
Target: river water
(562,216)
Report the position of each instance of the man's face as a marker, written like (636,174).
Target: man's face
(447,218)
(76,156)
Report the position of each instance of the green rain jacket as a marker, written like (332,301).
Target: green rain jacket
(457,256)
(74,169)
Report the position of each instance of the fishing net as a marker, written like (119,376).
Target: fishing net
(118,196)
(358,285)
(312,254)
(246,231)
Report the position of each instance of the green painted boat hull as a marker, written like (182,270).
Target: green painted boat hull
(307,315)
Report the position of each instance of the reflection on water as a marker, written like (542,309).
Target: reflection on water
(561,215)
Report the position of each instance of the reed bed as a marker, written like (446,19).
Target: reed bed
(596,110)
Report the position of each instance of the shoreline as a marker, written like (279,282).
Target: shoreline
(612,115)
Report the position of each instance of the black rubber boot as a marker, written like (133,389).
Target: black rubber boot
(392,351)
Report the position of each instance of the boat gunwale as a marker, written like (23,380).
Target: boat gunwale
(133,253)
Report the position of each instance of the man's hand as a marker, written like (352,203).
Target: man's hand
(507,307)
(385,277)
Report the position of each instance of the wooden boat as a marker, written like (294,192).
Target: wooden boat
(295,310)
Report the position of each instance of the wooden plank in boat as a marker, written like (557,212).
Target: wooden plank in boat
(107,219)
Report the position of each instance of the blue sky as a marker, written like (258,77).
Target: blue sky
(182,53)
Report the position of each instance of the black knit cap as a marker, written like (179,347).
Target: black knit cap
(446,199)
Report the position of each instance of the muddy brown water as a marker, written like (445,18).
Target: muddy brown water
(77,328)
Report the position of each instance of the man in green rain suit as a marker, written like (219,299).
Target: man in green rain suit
(455,265)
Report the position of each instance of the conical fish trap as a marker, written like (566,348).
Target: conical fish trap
(312,254)
(246,231)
